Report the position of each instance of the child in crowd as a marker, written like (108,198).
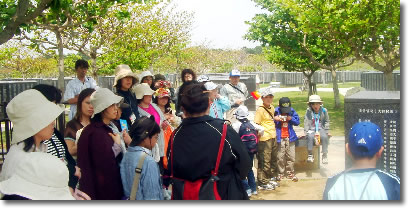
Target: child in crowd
(267,147)
(363,181)
(316,127)
(144,133)
(249,133)
(285,118)
(219,104)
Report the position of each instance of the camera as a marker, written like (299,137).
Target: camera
(283,118)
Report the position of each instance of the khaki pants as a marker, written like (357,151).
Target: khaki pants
(267,161)
(286,156)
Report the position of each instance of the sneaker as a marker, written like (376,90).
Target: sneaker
(274,183)
(249,192)
(254,193)
(292,176)
(267,187)
(324,159)
(310,159)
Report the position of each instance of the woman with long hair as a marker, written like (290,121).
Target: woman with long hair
(81,119)
(188,76)
(99,149)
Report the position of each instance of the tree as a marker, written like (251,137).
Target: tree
(296,26)
(19,61)
(149,33)
(15,17)
(377,40)
(51,27)
(292,60)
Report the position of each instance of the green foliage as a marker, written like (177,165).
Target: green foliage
(18,61)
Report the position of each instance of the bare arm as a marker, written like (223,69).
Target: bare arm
(72,147)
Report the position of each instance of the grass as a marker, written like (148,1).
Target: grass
(299,103)
(328,85)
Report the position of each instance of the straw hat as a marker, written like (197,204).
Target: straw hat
(123,71)
(142,90)
(315,99)
(30,112)
(39,176)
(145,74)
(102,98)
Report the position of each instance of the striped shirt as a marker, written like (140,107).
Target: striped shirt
(362,184)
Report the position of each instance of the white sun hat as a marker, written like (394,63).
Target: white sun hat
(142,90)
(123,71)
(315,99)
(30,112)
(266,91)
(241,112)
(102,98)
(210,85)
(145,74)
(39,176)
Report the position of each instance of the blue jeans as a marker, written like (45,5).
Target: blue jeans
(250,183)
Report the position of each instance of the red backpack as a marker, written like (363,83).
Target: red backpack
(201,189)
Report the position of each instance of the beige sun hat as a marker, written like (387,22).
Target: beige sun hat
(145,74)
(142,90)
(315,99)
(102,98)
(39,176)
(30,112)
(123,71)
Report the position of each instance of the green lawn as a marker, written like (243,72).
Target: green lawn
(299,103)
(328,85)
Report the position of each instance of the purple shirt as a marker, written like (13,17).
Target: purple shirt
(100,173)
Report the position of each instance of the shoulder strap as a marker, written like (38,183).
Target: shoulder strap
(136,179)
(220,149)
(237,89)
(267,111)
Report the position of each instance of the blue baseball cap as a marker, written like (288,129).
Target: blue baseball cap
(365,139)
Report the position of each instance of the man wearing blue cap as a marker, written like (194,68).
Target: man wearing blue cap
(363,181)
(236,92)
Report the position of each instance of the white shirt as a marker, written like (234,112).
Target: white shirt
(74,87)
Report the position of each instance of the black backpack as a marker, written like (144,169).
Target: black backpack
(248,136)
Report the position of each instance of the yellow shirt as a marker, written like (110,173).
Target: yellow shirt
(265,120)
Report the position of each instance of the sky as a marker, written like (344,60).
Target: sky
(220,23)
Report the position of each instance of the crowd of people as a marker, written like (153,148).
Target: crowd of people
(129,144)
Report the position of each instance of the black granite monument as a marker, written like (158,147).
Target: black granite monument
(383,109)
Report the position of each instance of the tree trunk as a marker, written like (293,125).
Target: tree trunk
(309,82)
(335,88)
(94,71)
(389,81)
(61,83)
(323,77)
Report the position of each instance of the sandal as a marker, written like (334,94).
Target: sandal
(292,176)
